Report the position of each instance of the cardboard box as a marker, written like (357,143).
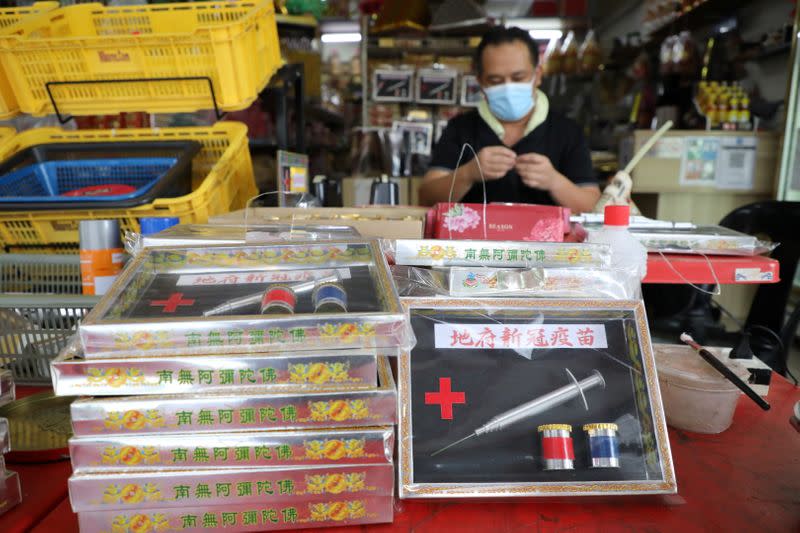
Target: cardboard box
(380,221)
(504,222)
(317,513)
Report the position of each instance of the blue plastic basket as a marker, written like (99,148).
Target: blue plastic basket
(48,181)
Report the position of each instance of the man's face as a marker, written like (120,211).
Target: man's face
(506,63)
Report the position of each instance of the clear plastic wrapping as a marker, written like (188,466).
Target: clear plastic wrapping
(711,240)
(219,234)
(10,491)
(613,284)
(506,254)
(195,488)
(246,449)
(128,374)
(180,301)
(5,437)
(521,397)
(7,387)
(246,410)
(262,516)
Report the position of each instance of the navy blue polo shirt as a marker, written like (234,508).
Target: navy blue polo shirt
(557,137)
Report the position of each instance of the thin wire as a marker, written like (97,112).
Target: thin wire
(715,292)
(789,373)
(453,186)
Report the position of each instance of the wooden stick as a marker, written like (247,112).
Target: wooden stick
(646,147)
(720,367)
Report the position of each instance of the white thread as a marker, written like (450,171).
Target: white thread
(715,292)
(453,185)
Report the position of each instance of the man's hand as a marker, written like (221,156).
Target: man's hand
(537,172)
(495,163)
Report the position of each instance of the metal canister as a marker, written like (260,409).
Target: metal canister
(603,445)
(278,299)
(102,256)
(557,449)
(329,297)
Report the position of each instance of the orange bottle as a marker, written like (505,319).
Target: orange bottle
(102,256)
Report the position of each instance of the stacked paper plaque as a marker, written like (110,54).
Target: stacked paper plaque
(255,400)
(508,268)
(10,491)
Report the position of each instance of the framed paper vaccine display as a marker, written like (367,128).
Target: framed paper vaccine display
(521,397)
(280,297)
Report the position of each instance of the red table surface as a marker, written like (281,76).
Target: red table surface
(677,268)
(745,479)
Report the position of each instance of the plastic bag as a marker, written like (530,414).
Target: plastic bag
(552,58)
(589,54)
(569,53)
(482,282)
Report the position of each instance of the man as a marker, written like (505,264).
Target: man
(527,153)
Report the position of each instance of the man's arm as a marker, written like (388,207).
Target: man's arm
(537,172)
(579,198)
(437,183)
(495,162)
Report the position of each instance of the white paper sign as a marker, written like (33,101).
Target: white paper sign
(667,148)
(736,165)
(699,162)
(743,275)
(515,336)
(245,278)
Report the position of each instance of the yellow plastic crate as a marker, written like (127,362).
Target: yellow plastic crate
(8,18)
(222,179)
(232,44)
(6,134)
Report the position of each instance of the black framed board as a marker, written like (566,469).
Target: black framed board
(583,373)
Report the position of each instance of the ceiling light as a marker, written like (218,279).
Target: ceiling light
(341,37)
(546,35)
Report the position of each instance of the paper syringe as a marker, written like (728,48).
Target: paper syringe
(254,298)
(536,406)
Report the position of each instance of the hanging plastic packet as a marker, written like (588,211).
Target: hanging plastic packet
(589,54)
(614,284)
(569,54)
(552,58)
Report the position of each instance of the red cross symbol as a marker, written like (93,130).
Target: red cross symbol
(445,398)
(171,304)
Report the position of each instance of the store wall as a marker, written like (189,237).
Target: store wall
(346,51)
(756,17)
(620,20)
(759,17)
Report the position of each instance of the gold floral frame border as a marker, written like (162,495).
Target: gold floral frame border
(409,489)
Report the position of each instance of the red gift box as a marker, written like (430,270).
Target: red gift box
(504,222)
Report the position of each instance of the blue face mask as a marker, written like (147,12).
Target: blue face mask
(510,101)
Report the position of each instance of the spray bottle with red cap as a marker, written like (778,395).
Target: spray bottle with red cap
(626,251)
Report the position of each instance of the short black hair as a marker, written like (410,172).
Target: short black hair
(502,35)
